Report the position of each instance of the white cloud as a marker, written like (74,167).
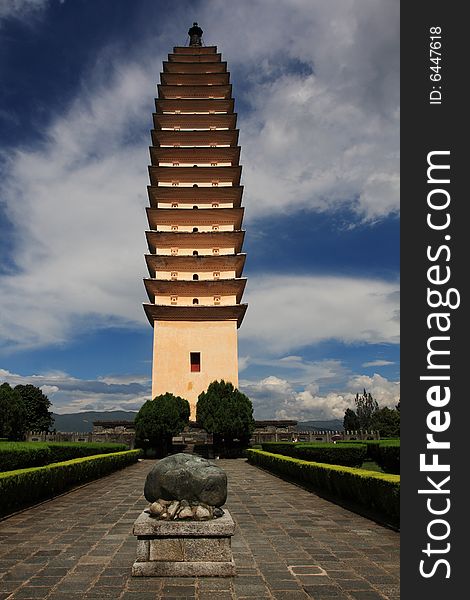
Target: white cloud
(49,389)
(387,393)
(288,312)
(378,363)
(78,204)
(322,391)
(70,394)
(318,140)
(21,9)
(274,397)
(326,138)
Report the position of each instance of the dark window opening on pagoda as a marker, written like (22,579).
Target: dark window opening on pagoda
(195,229)
(195,277)
(195,206)
(195,185)
(195,253)
(195,301)
(195,361)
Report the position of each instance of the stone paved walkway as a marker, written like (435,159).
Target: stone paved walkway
(289,545)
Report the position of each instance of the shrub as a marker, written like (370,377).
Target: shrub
(37,404)
(284,448)
(377,492)
(372,447)
(21,455)
(228,414)
(389,457)
(61,451)
(12,413)
(25,487)
(351,455)
(158,420)
(347,456)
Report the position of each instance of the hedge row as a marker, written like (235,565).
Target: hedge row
(376,492)
(24,487)
(386,453)
(388,457)
(21,455)
(352,455)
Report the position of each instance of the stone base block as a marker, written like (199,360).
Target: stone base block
(183,569)
(183,548)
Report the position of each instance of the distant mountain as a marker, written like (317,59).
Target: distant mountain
(83,422)
(333,425)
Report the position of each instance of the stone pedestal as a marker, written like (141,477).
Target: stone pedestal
(183,548)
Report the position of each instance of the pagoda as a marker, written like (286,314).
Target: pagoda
(195,234)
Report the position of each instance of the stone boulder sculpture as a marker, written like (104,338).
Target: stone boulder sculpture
(184,532)
(183,486)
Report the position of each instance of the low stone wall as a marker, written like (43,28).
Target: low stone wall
(258,437)
(118,438)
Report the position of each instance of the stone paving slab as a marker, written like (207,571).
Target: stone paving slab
(289,544)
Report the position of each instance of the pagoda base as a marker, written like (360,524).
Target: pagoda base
(184,548)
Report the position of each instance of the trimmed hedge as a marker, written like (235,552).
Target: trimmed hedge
(351,455)
(375,453)
(389,457)
(377,492)
(24,487)
(22,455)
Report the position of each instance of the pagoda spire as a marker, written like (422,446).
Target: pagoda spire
(195,35)
(195,234)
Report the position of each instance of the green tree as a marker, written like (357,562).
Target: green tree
(350,421)
(365,408)
(38,417)
(226,413)
(158,420)
(12,414)
(387,422)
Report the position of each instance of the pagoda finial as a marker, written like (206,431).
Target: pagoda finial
(195,34)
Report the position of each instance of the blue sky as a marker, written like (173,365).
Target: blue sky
(316,87)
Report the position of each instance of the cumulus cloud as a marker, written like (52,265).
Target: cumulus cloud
(318,90)
(278,398)
(322,82)
(288,312)
(70,394)
(78,205)
(387,393)
(305,390)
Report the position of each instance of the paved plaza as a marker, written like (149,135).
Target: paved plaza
(289,545)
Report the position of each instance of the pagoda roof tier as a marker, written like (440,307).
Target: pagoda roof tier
(194,91)
(191,67)
(199,239)
(159,312)
(189,106)
(222,262)
(195,174)
(207,287)
(183,79)
(191,195)
(194,49)
(220,137)
(209,216)
(194,58)
(194,122)
(188,155)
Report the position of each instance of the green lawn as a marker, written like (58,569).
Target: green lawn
(371,465)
